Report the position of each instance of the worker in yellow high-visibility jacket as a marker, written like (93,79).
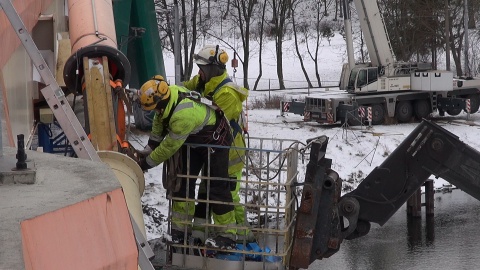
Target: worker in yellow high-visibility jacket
(178,120)
(214,83)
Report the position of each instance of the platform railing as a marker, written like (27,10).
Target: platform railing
(268,194)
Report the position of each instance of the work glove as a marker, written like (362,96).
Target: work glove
(153,144)
(143,153)
(142,162)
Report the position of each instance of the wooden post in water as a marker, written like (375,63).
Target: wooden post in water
(429,197)
(414,203)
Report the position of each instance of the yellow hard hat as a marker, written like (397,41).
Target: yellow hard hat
(153,91)
(211,54)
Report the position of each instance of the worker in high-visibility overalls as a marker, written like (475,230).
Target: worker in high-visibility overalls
(214,83)
(178,120)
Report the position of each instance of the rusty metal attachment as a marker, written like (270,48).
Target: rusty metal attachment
(318,227)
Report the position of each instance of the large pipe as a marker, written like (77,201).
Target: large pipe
(132,180)
(92,34)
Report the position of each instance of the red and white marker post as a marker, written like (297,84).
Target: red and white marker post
(467,108)
(369,116)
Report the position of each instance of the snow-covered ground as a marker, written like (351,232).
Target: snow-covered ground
(354,152)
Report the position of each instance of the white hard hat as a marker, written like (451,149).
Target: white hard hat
(211,54)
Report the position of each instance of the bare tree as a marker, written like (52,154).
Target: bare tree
(474,55)
(401,31)
(260,36)
(303,28)
(208,10)
(245,10)
(188,30)
(316,29)
(279,8)
(337,10)
(457,33)
(165,21)
(416,28)
(364,57)
(227,11)
(188,53)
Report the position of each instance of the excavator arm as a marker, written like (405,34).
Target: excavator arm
(325,219)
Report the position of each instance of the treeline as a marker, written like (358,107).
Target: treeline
(420,31)
(417,30)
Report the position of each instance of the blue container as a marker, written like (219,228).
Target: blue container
(44,138)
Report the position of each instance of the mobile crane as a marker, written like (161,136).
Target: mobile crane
(393,90)
(428,150)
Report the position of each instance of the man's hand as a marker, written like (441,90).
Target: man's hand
(143,153)
(142,162)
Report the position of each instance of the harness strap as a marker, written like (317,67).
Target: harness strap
(217,129)
(225,81)
(167,119)
(195,96)
(236,127)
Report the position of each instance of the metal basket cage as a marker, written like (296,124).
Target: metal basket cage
(266,193)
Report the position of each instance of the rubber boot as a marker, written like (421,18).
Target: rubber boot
(225,237)
(200,231)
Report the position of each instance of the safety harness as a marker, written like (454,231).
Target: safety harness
(204,134)
(233,123)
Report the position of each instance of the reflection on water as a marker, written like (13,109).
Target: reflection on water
(415,231)
(449,240)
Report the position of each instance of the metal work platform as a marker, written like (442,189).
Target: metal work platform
(267,192)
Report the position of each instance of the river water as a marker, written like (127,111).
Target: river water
(449,240)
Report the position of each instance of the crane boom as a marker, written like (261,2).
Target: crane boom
(375,33)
